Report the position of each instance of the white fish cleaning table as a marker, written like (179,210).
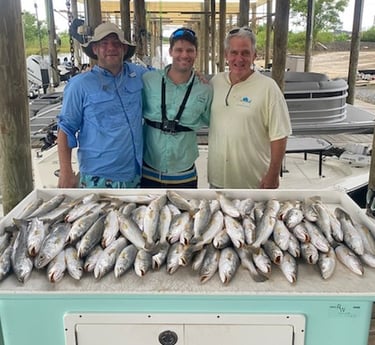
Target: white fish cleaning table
(160,308)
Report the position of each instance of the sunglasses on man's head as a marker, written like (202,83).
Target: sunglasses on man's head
(237,30)
(182,32)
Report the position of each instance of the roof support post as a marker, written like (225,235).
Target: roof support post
(15,149)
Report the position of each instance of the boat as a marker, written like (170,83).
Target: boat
(43,113)
(316,164)
(317,107)
(366,74)
(37,75)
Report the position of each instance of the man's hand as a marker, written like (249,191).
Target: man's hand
(270,181)
(68,180)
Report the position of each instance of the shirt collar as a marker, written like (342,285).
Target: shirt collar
(168,67)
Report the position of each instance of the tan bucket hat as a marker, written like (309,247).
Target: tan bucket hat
(102,31)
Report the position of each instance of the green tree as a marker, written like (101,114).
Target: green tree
(369,35)
(33,32)
(326,14)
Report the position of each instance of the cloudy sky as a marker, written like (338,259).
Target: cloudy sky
(368,16)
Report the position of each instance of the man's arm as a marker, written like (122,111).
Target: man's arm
(272,178)
(67,177)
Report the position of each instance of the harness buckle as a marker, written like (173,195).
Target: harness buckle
(169,126)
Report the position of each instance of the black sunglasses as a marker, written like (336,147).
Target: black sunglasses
(237,30)
(182,32)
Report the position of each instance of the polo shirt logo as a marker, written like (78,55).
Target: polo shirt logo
(201,99)
(246,99)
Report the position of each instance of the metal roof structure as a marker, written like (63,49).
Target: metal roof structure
(178,12)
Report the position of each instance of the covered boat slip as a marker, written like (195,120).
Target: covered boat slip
(162,308)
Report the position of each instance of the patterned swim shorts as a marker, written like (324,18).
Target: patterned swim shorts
(90,181)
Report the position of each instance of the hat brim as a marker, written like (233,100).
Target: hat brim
(87,49)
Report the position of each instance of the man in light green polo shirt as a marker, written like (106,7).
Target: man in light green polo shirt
(175,105)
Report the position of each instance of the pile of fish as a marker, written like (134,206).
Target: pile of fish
(104,234)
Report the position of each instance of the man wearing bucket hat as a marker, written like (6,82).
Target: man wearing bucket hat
(175,104)
(102,116)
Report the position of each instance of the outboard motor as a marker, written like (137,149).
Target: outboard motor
(66,70)
(37,72)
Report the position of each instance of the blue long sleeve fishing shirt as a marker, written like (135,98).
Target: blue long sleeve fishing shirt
(102,116)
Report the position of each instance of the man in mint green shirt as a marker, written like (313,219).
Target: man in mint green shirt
(175,105)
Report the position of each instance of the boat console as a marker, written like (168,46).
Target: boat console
(312,97)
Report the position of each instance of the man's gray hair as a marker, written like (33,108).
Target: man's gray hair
(244,32)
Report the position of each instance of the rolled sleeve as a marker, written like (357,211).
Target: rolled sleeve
(70,118)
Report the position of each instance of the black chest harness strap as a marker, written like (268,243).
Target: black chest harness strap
(171,126)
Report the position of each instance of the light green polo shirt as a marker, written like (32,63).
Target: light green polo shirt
(171,153)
